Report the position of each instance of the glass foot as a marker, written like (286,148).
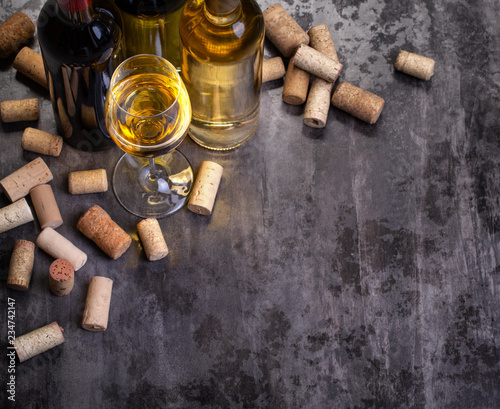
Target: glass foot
(157,194)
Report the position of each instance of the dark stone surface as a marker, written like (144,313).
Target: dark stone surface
(350,267)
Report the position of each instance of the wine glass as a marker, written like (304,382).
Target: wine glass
(148,113)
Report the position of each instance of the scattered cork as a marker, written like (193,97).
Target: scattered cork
(21,265)
(318,100)
(20,110)
(317,63)
(87,181)
(19,183)
(45,143)
(205,188)
(273,69)
(358,102)
(15,215)
(152,239)
(30,63)
(415,65)
(61,277)
(14,32)
(46,208)
(40,340)
(96,313)
(57,246)
(296,84)
(282,30)
(98,226)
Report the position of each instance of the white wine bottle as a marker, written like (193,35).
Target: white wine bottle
(222,53)
(151,27)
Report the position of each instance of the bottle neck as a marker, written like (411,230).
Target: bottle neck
(78,11)
(222,12)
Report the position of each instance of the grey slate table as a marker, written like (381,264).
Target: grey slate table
(350,267)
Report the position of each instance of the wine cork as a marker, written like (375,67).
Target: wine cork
(61,277)
(14,215)
(205,188)
(415,65)
(20,110)
(152,239)
(317,63)
(358,102)
(57,246)
(21,265)
(318,100)
(30,63)
(282,30)
(87,181)
(40,340)
(96,313)
(45,143)
(14,32)
(46,208)
(296,85)
(273,69)
(98,226)
(19,183)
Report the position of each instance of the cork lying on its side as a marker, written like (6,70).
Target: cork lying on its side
(46,208)
(152,239)
(45,143)
(14,32)
(38,341)
(57,246)
(15,215)
(296,84)
(96,313)
(30,63)
(21,265)
(273,69)
(415,65)
(87,181)
(98,226)
(205,188)
(358,102)
(20,110)
(317,63)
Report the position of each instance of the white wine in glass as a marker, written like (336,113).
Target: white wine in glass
(148,113)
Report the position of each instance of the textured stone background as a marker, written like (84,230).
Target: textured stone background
(350,267)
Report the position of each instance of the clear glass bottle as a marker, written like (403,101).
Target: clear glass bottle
(78,46)
(222,53)
(151,27)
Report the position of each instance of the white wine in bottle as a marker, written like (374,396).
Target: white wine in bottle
(222,53)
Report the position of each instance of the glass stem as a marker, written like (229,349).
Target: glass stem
(153,175)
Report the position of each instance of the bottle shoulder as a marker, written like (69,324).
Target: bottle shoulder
(221,43)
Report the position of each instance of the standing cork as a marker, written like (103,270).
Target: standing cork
(38,341)
(20,110)
(46,208)
(98,226)
(30,63)
(318,100)
(14,32)
(14,215)
(57,246)
(46,143)
(416,65)
(296,84)
(205,188)
(61,277)
(19,183)
(96,313)
(358,102)
(87,181)
(317,63)
(152,239)
(273,69)
(282,30)
(21,265)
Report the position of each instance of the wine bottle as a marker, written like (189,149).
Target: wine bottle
(151,27)
(79,48)
(222,53)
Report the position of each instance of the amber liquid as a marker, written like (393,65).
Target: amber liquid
(148,115)
(222,68)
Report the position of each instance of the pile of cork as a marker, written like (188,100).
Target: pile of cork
(32,180)
(314,54)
